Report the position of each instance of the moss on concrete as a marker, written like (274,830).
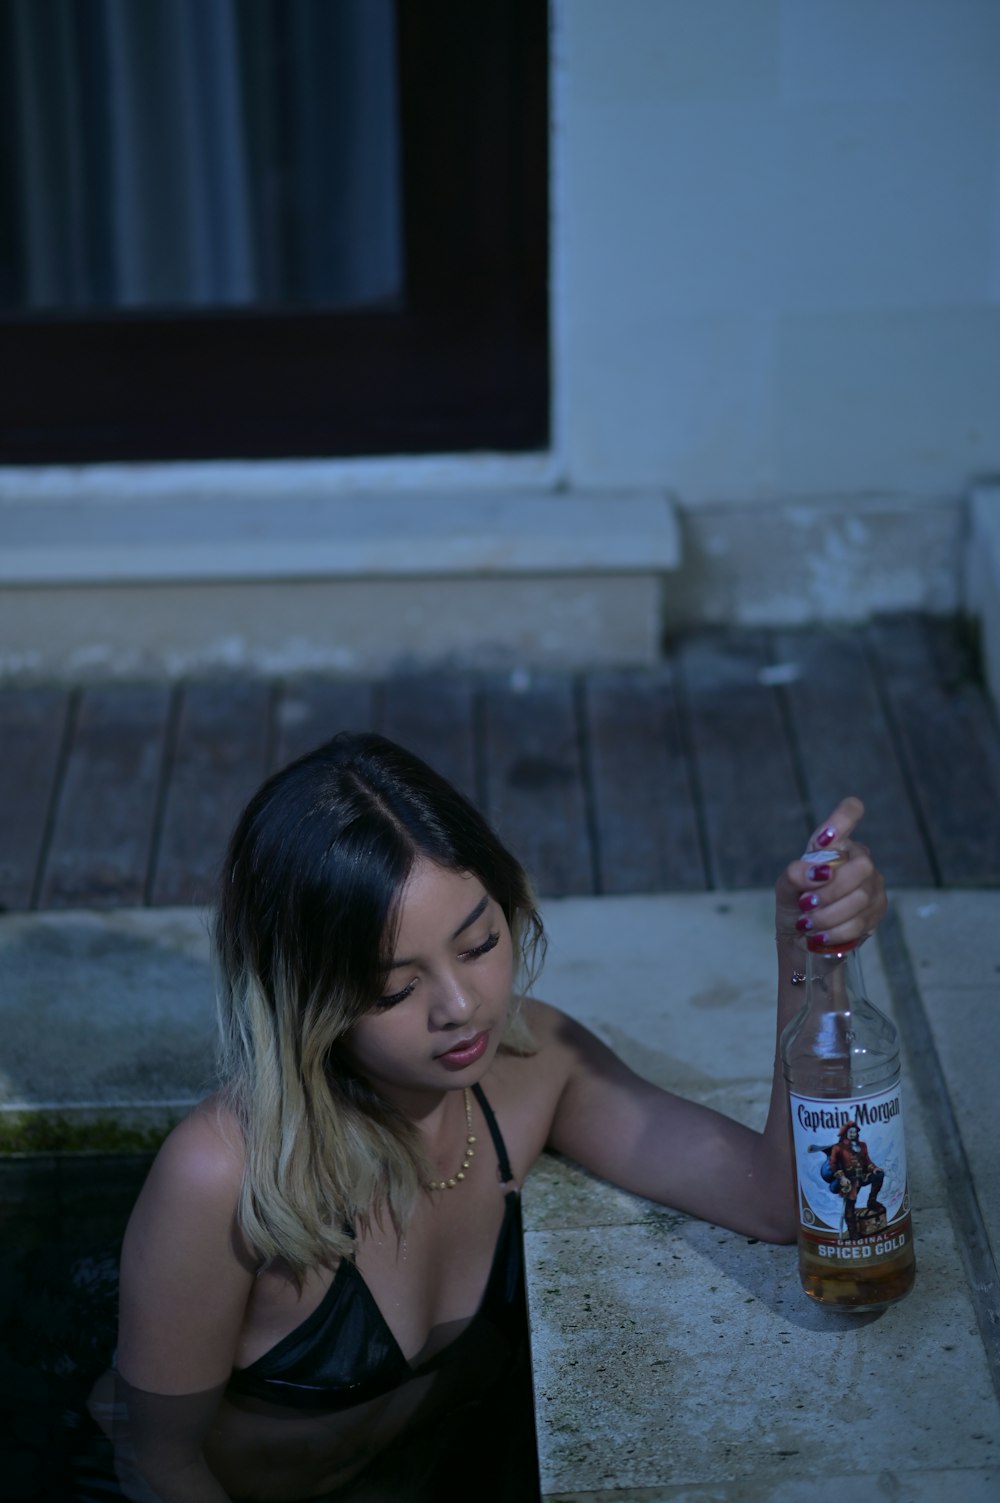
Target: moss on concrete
(44,1132)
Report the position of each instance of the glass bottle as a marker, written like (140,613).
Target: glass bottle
(841,1063)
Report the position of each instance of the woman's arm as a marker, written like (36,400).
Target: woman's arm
(158,1445)
(185,1282)
(656,1144)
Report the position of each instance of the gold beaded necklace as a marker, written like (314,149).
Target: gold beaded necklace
(470,1150)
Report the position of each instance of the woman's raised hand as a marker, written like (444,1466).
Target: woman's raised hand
(838,901)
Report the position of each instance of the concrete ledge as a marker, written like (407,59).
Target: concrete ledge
(361,627)
(294,536)
(982,577)
(672,1359)
(832,558)
(105,1016)
(165,584)
(185,571)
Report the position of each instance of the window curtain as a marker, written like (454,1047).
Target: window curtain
(196,154)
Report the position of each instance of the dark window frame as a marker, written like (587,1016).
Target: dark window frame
(462,365)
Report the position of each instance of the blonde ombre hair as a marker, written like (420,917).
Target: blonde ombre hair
(304,931)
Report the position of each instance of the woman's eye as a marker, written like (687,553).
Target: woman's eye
(390,1001)
(393,998)
(483,949)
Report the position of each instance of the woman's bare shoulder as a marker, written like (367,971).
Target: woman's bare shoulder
(186,1213)
(192,1191)
(205,1151)
(546,1064)
(186,1271)
(564,1049)
(526,1085)
(553,1030)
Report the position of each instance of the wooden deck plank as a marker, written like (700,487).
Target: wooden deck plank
(308,711)
(846,746)
(949,744)
(533,776)
(644,813)
(219,759)
(583,777)
(747,783)
(432,715)
(101,845)
(32,727)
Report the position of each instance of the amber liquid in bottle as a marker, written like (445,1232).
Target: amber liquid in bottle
(841,1064)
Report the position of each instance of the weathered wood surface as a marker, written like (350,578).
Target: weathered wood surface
(34,725)
(434,717)
(101,848)
(218,758)
(749,795)
(310,711)
(948,739)
(845,744)
(646,827)
(535,794)
(699,773)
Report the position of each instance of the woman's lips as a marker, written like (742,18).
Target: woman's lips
(466,1053)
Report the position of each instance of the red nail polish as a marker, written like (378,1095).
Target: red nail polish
(825,836)
(803,925)
(808,900)
(819,873)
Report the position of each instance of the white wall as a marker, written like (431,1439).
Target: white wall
(776,299)
(778,246)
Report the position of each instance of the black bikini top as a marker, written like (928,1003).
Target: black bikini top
(344,1352)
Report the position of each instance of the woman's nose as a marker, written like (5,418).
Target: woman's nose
(451,1003)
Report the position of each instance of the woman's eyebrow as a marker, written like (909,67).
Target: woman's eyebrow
(466,923)
(479,909)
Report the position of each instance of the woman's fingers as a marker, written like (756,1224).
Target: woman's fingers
(841,897)
(846,917)
(838,826)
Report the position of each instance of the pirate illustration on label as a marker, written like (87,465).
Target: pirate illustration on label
(847,1171)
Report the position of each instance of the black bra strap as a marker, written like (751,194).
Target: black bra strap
(506,1173)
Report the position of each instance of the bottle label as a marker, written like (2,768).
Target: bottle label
(851,1163)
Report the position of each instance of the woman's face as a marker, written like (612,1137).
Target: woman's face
(447,993)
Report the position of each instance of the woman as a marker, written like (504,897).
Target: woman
(321,1280)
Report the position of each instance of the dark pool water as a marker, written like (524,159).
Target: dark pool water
(62,1217)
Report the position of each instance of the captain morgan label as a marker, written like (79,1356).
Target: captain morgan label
(851,1163)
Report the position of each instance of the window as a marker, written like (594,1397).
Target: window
(263,228)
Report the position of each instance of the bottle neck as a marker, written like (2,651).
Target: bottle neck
(817,947)
(840,1044)
(834,979)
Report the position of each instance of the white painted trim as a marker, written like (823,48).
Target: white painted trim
(233,479)
(305,534)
